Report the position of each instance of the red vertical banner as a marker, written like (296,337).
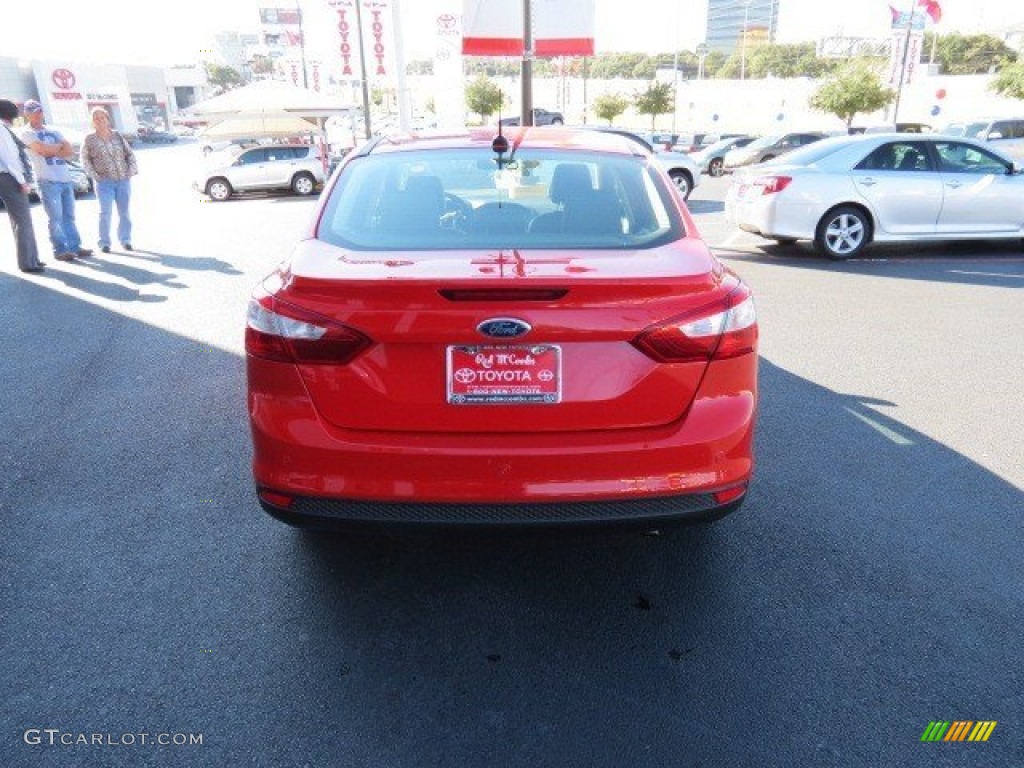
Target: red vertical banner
(316,75)
(376,10)
(295,72)
(346,27)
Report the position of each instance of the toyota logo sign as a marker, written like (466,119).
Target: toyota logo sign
(63,78)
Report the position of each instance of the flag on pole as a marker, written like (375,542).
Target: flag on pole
(560,27)
(932,8)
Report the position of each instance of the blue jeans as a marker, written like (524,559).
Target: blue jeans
(59,202)
(110,192)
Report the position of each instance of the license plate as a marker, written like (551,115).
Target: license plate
(504,374)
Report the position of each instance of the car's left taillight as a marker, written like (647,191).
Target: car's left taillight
(717,332)
(769,185)
(276,330)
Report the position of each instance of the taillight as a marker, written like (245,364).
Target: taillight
(287,334)
(769,185)
(717,332)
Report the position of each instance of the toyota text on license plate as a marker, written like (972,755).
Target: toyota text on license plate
(504,374)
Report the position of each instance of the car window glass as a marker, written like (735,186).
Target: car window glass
(898,156)
(955,157)
(252,156)
(458,199)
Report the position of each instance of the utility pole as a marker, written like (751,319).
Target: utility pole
(526,70)
(404,107)
(362,70)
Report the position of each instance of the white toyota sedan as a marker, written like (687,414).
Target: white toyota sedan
(845,192)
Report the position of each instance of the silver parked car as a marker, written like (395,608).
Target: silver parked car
(711,159)
(298,167)
(768,148)
(846,192)
(679,166)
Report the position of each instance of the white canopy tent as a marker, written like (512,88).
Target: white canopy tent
(268,96)
(271,124)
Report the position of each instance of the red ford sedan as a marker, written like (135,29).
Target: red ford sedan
(520,329)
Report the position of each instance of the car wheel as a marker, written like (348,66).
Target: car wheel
(218,189)
(682,181)
(556,121)
(843,232)
(715,168)
(303,184)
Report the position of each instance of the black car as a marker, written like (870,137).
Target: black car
(540,117)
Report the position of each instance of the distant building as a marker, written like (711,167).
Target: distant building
(727,20)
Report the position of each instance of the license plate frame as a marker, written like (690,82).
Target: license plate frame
(503,374)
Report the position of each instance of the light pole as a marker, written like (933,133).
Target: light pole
(675,73)
(743,47)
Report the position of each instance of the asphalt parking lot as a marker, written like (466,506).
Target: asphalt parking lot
(872,583)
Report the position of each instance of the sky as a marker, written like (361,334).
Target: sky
(162,34)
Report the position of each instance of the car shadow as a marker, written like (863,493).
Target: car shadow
(704,206)
(867,555)
(988,263)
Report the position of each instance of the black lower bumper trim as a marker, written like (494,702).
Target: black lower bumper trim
(316,512)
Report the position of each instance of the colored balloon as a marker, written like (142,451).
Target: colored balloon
(940,94)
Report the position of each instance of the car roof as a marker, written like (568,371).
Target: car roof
(542,137)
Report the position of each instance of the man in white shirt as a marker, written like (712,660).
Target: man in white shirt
(49,152)
(15,174)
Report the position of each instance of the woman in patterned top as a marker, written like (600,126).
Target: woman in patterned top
(109,160)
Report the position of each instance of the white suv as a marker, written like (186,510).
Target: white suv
(297,167)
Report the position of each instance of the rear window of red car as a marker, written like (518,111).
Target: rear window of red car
(452,199)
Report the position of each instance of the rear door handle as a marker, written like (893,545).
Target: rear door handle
(868,182)
(954,184)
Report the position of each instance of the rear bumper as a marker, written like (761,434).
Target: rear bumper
(671,471)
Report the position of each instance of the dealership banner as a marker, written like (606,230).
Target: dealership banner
(374,20)
(560,27)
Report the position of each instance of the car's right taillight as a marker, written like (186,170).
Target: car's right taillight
(285,333)
(717,332)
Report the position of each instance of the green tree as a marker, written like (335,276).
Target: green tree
(656,100)
(713,62)
(261,65)
(1010,81)
(609,106)
(855,88)
(483,96)
(970,54)
(223,77)
(797,60)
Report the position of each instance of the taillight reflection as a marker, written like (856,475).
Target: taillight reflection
(717,332)
(287,334)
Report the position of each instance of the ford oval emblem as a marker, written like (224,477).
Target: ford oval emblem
(503,328)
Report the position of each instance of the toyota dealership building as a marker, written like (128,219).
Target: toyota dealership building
(133,95)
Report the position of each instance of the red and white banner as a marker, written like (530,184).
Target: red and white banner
(373,19)
(903,68)
(376,9)
(560,27)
